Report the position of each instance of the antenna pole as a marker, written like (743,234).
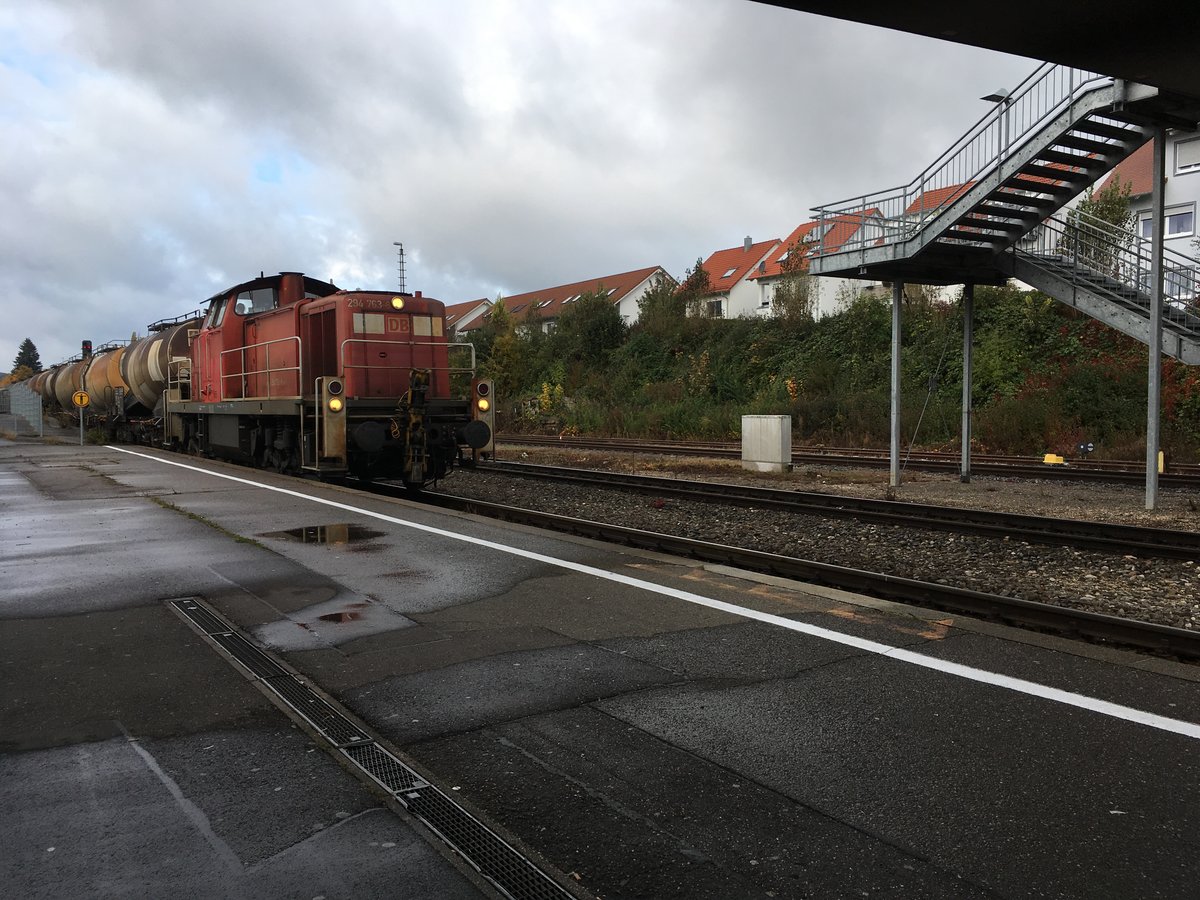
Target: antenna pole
(400,254)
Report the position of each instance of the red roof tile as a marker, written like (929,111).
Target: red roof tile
(726,268)
(937,198)
(457,310)
(549,302)
(839,229)
(1138,170)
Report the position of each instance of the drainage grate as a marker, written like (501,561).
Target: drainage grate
(209,623)
(492,856)
(249,656)
(324,717)
(394,775)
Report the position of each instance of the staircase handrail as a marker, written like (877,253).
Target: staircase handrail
(1092,245)
(1043,94)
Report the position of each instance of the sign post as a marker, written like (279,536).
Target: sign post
(81,401)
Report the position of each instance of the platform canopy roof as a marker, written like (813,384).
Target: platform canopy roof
(1137,42)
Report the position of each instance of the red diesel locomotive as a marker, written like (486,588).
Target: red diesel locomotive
(291,373)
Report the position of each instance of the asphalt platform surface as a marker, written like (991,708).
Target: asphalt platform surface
(635,725)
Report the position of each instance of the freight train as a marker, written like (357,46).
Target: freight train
(294,374)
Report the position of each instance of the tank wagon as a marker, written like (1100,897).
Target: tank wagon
(294,374)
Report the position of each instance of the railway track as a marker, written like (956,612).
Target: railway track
(1080,534)
(1118,471)
(1081,624)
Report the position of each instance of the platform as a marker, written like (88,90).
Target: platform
(634,725)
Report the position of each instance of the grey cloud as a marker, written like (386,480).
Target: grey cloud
(509,145)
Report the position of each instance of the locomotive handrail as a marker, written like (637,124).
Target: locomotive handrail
(245,374)
(163,324)
(407,364)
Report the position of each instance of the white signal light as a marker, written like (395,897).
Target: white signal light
(335,404)
(397,303)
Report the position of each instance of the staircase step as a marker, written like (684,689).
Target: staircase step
(1007,212)
(1089,126)
(1084,177)
(1081,143)
(1038,203)
(1078,160)
(975,237)
(980,221)
(1021,183)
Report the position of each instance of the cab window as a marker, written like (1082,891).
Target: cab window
(256,301)
(216,313)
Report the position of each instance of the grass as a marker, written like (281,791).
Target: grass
(195,517)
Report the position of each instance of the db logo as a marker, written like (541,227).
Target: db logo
(397,324)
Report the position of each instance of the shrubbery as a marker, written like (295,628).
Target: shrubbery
(1046,378)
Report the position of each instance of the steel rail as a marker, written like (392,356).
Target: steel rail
(1084,624)
(924,460)
(1101,536)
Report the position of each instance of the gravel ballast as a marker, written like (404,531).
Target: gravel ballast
(1152,590)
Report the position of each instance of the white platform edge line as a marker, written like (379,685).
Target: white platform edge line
(1018,685)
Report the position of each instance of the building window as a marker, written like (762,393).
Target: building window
(1187,156)
(730,272)
(1180,220)
(716,308)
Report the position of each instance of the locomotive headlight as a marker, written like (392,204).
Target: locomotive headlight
(397,303)
(335,404)
(484,404)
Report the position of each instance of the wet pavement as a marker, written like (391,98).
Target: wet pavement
(631,739)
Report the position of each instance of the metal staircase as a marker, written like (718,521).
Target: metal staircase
(1105,272)
(986,209)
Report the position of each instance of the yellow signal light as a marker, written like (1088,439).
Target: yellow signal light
(484,404)
(397,303)
(336,404)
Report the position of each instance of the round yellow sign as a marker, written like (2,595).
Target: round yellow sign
(81,399)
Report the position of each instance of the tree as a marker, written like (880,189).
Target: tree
(1100,228)
(20,373)
(589,328)
(27,355)
(795,295)
(500,349)
(662,307)
(695,289)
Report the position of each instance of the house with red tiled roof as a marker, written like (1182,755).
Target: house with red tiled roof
(829,294)
(541,308)
(1181,192)
(459,316)
(730,292)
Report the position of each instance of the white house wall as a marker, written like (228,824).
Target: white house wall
(628,304)
(1181,192)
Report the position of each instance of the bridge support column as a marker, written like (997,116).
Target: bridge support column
(897,302)
(968,306)
(1154,389)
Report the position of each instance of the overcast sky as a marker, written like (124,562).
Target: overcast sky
(156,152)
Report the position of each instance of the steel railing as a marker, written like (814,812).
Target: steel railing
(241,379)
(1093,249)
(901,212)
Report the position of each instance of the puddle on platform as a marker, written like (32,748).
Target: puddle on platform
(331,623)
(337,535)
